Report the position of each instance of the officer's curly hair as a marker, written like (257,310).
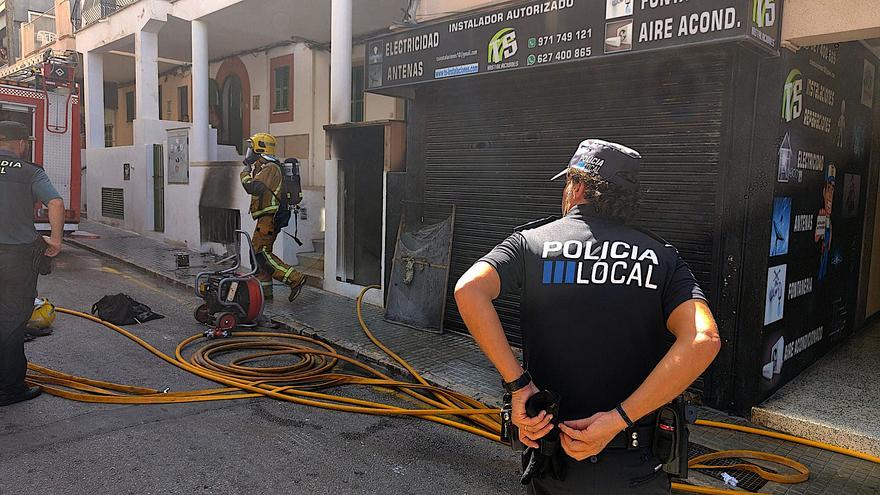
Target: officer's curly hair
(609,200)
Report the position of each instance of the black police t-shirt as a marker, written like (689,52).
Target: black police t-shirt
(595,299)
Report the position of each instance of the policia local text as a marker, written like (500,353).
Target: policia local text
(628,265)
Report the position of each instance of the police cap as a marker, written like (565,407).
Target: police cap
(613,162)
(13,131)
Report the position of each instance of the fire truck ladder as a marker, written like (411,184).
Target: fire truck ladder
(50,68)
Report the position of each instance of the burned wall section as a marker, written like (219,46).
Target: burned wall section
(219,215)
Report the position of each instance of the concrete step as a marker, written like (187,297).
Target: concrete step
(314,278)
(835,400)
(805,424)
(314,261)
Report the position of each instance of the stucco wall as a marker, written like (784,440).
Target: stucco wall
(105,169)
(122,129)
(432,9)
(812,22)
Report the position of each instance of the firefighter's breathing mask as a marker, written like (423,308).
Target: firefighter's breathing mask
(251,156)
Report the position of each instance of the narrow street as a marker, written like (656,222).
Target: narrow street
(52,445)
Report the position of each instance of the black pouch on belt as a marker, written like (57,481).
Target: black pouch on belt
(671,433)
(548,458)
(509,431)
(42,264)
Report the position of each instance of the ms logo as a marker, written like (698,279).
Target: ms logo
(502,46)
(793,96)
(764,13)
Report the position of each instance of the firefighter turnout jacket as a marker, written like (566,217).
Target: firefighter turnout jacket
(264,186)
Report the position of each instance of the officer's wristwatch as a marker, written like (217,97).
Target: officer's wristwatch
(517,384)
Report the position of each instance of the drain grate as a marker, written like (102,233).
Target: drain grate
(746,480)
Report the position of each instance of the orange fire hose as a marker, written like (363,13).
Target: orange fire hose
(316,370)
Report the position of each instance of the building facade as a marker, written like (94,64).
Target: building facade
(182,85)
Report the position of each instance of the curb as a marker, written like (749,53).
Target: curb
(350,349)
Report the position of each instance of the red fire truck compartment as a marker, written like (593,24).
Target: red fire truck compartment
(53,117)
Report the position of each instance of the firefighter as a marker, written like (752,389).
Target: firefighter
(262,178)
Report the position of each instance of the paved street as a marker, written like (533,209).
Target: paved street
(55,446)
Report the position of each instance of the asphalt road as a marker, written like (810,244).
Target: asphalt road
(55,446)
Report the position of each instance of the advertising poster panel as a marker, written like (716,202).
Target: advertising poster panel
(825,124)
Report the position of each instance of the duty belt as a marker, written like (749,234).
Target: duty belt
(635,438)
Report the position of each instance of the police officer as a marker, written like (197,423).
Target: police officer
(262,178)
(22,184)
(596,296)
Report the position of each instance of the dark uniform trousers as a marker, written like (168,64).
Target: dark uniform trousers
(613,472)
(18,287)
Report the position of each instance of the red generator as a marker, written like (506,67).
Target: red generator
(40,93)
(233,297)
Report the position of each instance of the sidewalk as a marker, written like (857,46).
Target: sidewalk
(456,362)
(449,360)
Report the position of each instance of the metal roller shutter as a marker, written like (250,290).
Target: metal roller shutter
(492,143)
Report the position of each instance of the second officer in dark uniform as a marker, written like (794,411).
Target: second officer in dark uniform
(597,297)
(21,185)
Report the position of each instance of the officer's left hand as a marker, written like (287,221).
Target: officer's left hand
(587,437)
(531,429)
(53,246)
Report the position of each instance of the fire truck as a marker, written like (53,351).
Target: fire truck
(41,93)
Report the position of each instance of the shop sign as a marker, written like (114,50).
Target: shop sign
(539,33)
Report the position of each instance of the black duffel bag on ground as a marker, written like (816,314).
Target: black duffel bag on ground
(123,310)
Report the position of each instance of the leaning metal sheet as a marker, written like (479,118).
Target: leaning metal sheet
(419,274)
(57,147)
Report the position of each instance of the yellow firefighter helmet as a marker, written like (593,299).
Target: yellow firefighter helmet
(263,143)
(43,315)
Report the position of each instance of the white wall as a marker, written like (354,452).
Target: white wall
(378,107)
(321,115)
(813,22)
(432,9)
(105,169)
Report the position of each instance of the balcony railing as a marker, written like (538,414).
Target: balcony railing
(37,33)
(87,12)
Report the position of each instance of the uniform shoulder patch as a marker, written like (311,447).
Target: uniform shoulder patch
(537,223)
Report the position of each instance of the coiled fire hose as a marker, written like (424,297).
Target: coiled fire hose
(316,370)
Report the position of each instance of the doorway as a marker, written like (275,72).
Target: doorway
(361,173)
(158,188)
(232,129)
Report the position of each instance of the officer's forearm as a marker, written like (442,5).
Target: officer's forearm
(482,320)
(56,218)
(474,300)
(694,350)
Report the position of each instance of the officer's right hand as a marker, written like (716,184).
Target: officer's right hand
(530,429)
(53,246)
